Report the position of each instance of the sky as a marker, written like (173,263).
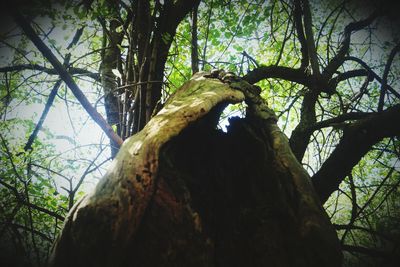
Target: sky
(66,136)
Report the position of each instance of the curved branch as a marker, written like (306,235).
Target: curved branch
(339,58)
(357,140)
(286,73)
(345,76)
(356,227)
(373,74)
(339,119)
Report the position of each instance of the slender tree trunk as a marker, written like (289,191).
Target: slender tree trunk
(194,47)
(110,58)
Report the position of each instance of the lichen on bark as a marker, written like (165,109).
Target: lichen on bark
(181,193)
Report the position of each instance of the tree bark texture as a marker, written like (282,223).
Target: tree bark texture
(181,193)
(110,61)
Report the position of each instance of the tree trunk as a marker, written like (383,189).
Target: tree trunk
(181,193)
(109,62)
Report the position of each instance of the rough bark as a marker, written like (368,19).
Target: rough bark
(181,193)
(109,62)
(194,47)
(154,38)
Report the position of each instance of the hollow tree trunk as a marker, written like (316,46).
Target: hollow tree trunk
(181,193)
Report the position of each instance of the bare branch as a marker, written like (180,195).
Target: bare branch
(76,37)
(286,73)
(194,47)
(209,13)
(356,227)
(345,76)
(339,58)
(312,51)
(298,12)
(71,70)
(31,205)
(49,103)
(373,74)
(66,77)
(358,138)
(339,119)
(385,76)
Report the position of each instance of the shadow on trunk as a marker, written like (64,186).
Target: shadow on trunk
(190,195)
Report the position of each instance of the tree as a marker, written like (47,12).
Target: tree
(180,191)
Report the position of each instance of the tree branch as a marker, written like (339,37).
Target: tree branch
(194,47)
(71,70)
(339,58)
(366,251)
(47,107)
(300,136)
(385,75)
(65,76)
(298,12)
(36,232)
(339,119)
(373,74)
(358,138)
(19,197)
(345,76)
(280,72)
(312,50)
(356,227)
(76,37)
(209,13)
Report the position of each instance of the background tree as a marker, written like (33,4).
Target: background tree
(329,71)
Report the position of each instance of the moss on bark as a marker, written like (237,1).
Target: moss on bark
(181,193)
